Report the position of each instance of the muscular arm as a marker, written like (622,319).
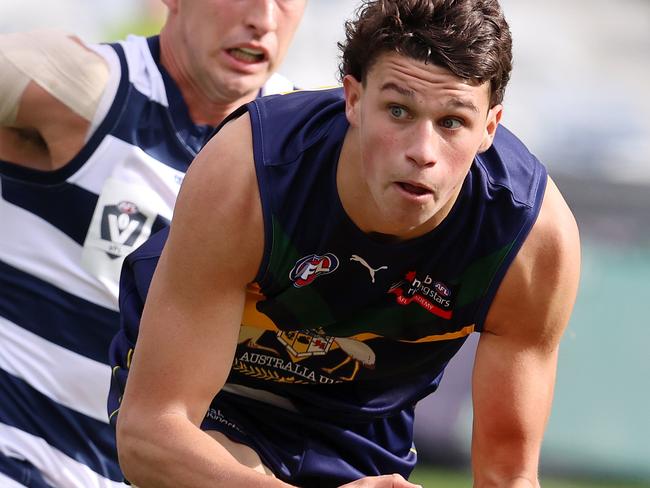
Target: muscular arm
(51,86)
(191,322)
(514,372)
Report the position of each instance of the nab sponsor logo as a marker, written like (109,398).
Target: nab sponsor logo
(121,225)
(310,267)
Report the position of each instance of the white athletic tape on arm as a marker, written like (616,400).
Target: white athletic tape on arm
(12,84)
(64,68)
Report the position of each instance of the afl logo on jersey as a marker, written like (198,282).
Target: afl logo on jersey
(310,267)
(442,289)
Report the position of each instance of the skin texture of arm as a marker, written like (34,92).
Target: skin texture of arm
(191,322)
(46,134)
(516,360)
(50,124)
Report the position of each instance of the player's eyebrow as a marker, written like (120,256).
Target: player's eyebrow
(399,89)
(455,102)
(451,103)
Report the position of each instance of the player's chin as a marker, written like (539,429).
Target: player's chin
(246,85)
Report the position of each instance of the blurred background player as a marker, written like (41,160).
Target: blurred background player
(94,144)
(361,235)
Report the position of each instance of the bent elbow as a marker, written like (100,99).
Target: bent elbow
(132,449)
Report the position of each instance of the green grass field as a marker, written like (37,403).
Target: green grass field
(430,477)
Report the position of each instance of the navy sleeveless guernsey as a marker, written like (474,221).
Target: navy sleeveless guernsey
(343,334)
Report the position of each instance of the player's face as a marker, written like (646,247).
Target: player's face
(233,46)
(415,130)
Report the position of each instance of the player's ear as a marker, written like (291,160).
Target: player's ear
(352,89)
(491,124)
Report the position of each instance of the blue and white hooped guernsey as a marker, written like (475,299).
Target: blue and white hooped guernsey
(64,236)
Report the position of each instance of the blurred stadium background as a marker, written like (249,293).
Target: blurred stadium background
(579,98)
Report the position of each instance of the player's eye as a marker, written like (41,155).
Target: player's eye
(451,123)
(397,112)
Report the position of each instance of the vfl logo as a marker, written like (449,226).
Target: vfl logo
(371,270)
(121,225)
(311,267)
(433,296)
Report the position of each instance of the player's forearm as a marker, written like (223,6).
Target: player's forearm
(169,451)
(505,466)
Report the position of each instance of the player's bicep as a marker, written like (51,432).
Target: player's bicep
(52,86)
(535,299)
(515,366)
(43,68)
(193,311)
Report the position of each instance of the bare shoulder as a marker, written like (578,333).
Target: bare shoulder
(223,171)
(219,204)
(536,297)
(197,295)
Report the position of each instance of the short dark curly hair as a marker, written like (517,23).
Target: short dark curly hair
(470,38)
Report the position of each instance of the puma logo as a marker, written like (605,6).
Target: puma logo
(370,269)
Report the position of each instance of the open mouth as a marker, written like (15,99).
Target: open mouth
(247,54)
(414,189)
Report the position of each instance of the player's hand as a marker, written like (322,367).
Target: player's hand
(385,481)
